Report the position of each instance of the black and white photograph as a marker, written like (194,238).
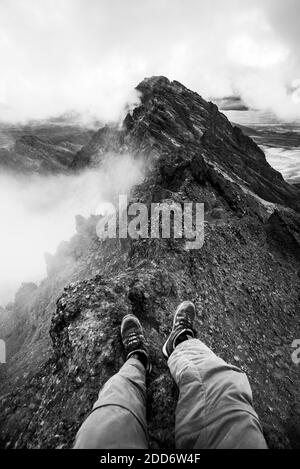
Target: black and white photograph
(149,228)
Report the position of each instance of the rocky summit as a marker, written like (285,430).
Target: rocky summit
(245,280)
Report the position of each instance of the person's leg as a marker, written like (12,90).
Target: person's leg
(214,408)
(118,418)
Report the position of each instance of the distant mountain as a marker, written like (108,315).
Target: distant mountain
(279,141)
(230,103)
(47,147)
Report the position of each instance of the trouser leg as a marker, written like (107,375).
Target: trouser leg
(214,408)
(118,418)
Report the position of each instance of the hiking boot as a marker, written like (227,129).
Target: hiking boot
(183,327)
(134,340)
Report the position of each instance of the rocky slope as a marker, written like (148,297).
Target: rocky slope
(245,280)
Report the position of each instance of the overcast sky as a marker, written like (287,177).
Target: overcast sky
(87,55)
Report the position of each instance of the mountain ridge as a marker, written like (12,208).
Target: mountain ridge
(204,131)
(244,280)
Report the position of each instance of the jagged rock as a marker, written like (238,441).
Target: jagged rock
(244,280)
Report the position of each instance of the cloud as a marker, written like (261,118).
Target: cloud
(59,55)
(38,212)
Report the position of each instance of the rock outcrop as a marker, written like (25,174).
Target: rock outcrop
(245,280)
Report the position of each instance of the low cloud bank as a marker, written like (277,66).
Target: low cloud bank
(37,213)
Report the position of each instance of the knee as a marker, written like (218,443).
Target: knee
(237,388)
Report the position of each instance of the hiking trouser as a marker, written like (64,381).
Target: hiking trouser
(214,408)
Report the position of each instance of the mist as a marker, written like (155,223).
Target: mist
(87,56)
(37,213)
